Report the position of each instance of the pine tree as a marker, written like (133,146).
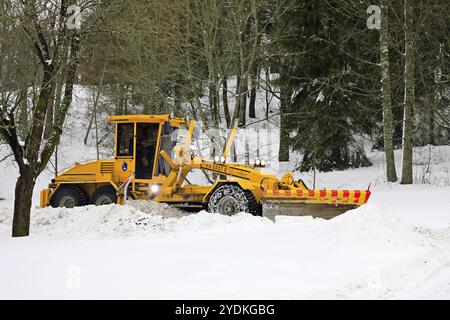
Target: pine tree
(327,86)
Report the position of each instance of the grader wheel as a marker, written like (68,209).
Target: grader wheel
(69,196)
(104,195)
(231,199)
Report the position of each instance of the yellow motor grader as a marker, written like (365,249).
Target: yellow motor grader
(150,164)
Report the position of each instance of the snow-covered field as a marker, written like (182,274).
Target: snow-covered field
(397,246)
(391,248)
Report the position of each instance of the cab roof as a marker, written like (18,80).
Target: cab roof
(150,118)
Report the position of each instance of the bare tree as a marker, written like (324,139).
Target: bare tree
(407,170)
(388,126)
(33,19)
(246,29)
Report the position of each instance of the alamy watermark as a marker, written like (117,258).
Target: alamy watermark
(374,281)
(73,280)
(74,17)
(374,19)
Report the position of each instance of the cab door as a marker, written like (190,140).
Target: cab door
(124,153)
(146,146)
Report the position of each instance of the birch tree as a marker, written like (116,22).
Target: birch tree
(408,105)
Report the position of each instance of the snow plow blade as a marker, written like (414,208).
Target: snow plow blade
(325,204)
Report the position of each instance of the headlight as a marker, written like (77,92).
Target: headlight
(222,159)
(258,162)
(154,188)
(216,159)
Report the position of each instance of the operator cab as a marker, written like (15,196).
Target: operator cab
(139,141)
(146,142)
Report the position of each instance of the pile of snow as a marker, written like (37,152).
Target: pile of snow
(137,219)
(369,224)
(366,225)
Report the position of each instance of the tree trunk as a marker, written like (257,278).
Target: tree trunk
(22,203)
(243,87)
(267,93)
(178,112)
(96,124)
(237,103)
(49,116)
(23,114)
(407,171)
(247,151)
(283,153)
(386,90)
(226,110)
(88,131)
(60,82)
(213,103)
(430,120)
(254,84)
(193,110)
(125,101)
(117,106)
(56,160)
(34,138)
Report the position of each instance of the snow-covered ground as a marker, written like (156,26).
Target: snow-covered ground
(397,246)
(386,249)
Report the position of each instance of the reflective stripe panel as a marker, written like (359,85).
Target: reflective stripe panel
(357,197)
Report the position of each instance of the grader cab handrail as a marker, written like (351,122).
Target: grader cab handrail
(124,187)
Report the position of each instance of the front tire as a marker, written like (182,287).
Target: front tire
(231,199)
(69,196)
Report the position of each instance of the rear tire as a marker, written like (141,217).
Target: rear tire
(104,195)
(230,199)
(69,196)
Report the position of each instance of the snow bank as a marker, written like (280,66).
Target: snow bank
(138,219)
(366,225)
(369,224)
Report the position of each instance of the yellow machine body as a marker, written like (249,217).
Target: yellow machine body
(165,180)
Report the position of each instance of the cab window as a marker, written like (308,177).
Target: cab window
(146,142)
(125,133)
